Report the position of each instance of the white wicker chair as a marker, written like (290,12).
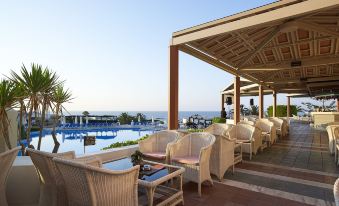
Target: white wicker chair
(222,155)
(269,133)
(250,137)
(155,147)
(331,138)
(6,160)
(193,152)
(88,185)
(52,186)
(245,121)
(336,192)
(280,126)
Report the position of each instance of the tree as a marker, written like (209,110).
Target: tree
(37,84)
(7,102)
(254,110)
(85,113)
(59,97)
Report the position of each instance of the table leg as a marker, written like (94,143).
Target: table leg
(150,195)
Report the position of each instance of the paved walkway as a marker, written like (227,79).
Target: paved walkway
(297,170)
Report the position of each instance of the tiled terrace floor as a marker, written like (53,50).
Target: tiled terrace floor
(297,170)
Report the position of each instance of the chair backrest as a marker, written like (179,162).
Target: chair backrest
(246,122)
(45,166)
(164,137)
(277,122)
(331,136)
(88,185)
(6,160)
(218,128)
(265,126)
(194,142)
(244,131)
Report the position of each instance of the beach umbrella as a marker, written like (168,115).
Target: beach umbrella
(80,120)
(76,120)
(152,120)
(86,119)
(139,120)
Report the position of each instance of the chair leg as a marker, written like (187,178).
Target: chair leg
(199,189)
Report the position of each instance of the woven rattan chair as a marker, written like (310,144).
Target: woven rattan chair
(88,185)
(52,190)
(6,160)
(336,192)
(331,138)
(193,152)
(280,126)
(155,147)
(249,136)
(222,155)
(268,130)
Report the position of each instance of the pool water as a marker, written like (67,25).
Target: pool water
(74,139)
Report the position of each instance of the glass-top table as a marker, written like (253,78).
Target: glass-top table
(164,180)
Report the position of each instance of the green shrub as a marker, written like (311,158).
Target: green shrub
(125,143)
(218,120)
(282,110)
(192,130)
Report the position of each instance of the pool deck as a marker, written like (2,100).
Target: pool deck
(297,170)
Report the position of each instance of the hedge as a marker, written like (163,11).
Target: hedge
(282,110)
(218,120)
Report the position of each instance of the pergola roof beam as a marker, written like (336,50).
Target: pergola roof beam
(284,13)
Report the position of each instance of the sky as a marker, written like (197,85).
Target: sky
(114,54)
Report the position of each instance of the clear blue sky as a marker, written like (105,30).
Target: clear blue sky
(114,54)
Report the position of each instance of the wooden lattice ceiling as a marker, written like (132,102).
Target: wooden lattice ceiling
(288,55)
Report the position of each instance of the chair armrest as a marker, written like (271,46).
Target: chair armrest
(92,161)
(204,155)
(67,155)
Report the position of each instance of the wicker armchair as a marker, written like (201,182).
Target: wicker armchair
(52,190)
(193,152)
(88,185)
(249,136)
(222,155)
(268,130)
(280,126)
(245,121)
(331,138)
(6,160)
(156,146)
(336,192)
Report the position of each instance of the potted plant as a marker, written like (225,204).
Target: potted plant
(137,157)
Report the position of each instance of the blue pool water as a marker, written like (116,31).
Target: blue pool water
(73,140)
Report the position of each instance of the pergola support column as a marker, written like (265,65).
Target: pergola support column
(261,102)
(338,104)
(288,107)
(274,104)
(173,88)
(223,112)
(236,104)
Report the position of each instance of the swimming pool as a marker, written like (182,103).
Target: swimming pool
(74,139)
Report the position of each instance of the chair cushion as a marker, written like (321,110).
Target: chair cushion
(191,160)
(156,155)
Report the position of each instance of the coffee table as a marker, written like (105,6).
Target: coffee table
(165,181)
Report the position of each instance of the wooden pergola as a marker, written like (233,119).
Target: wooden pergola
(289,46)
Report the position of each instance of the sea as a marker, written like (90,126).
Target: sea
(161,115)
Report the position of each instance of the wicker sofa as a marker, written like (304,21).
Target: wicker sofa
(222,155)
(193,152)
(6,160)
(155,147)
(250,137)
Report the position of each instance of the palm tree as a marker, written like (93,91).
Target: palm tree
(59,97)
(37,84)
(20,97)
(7,101)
